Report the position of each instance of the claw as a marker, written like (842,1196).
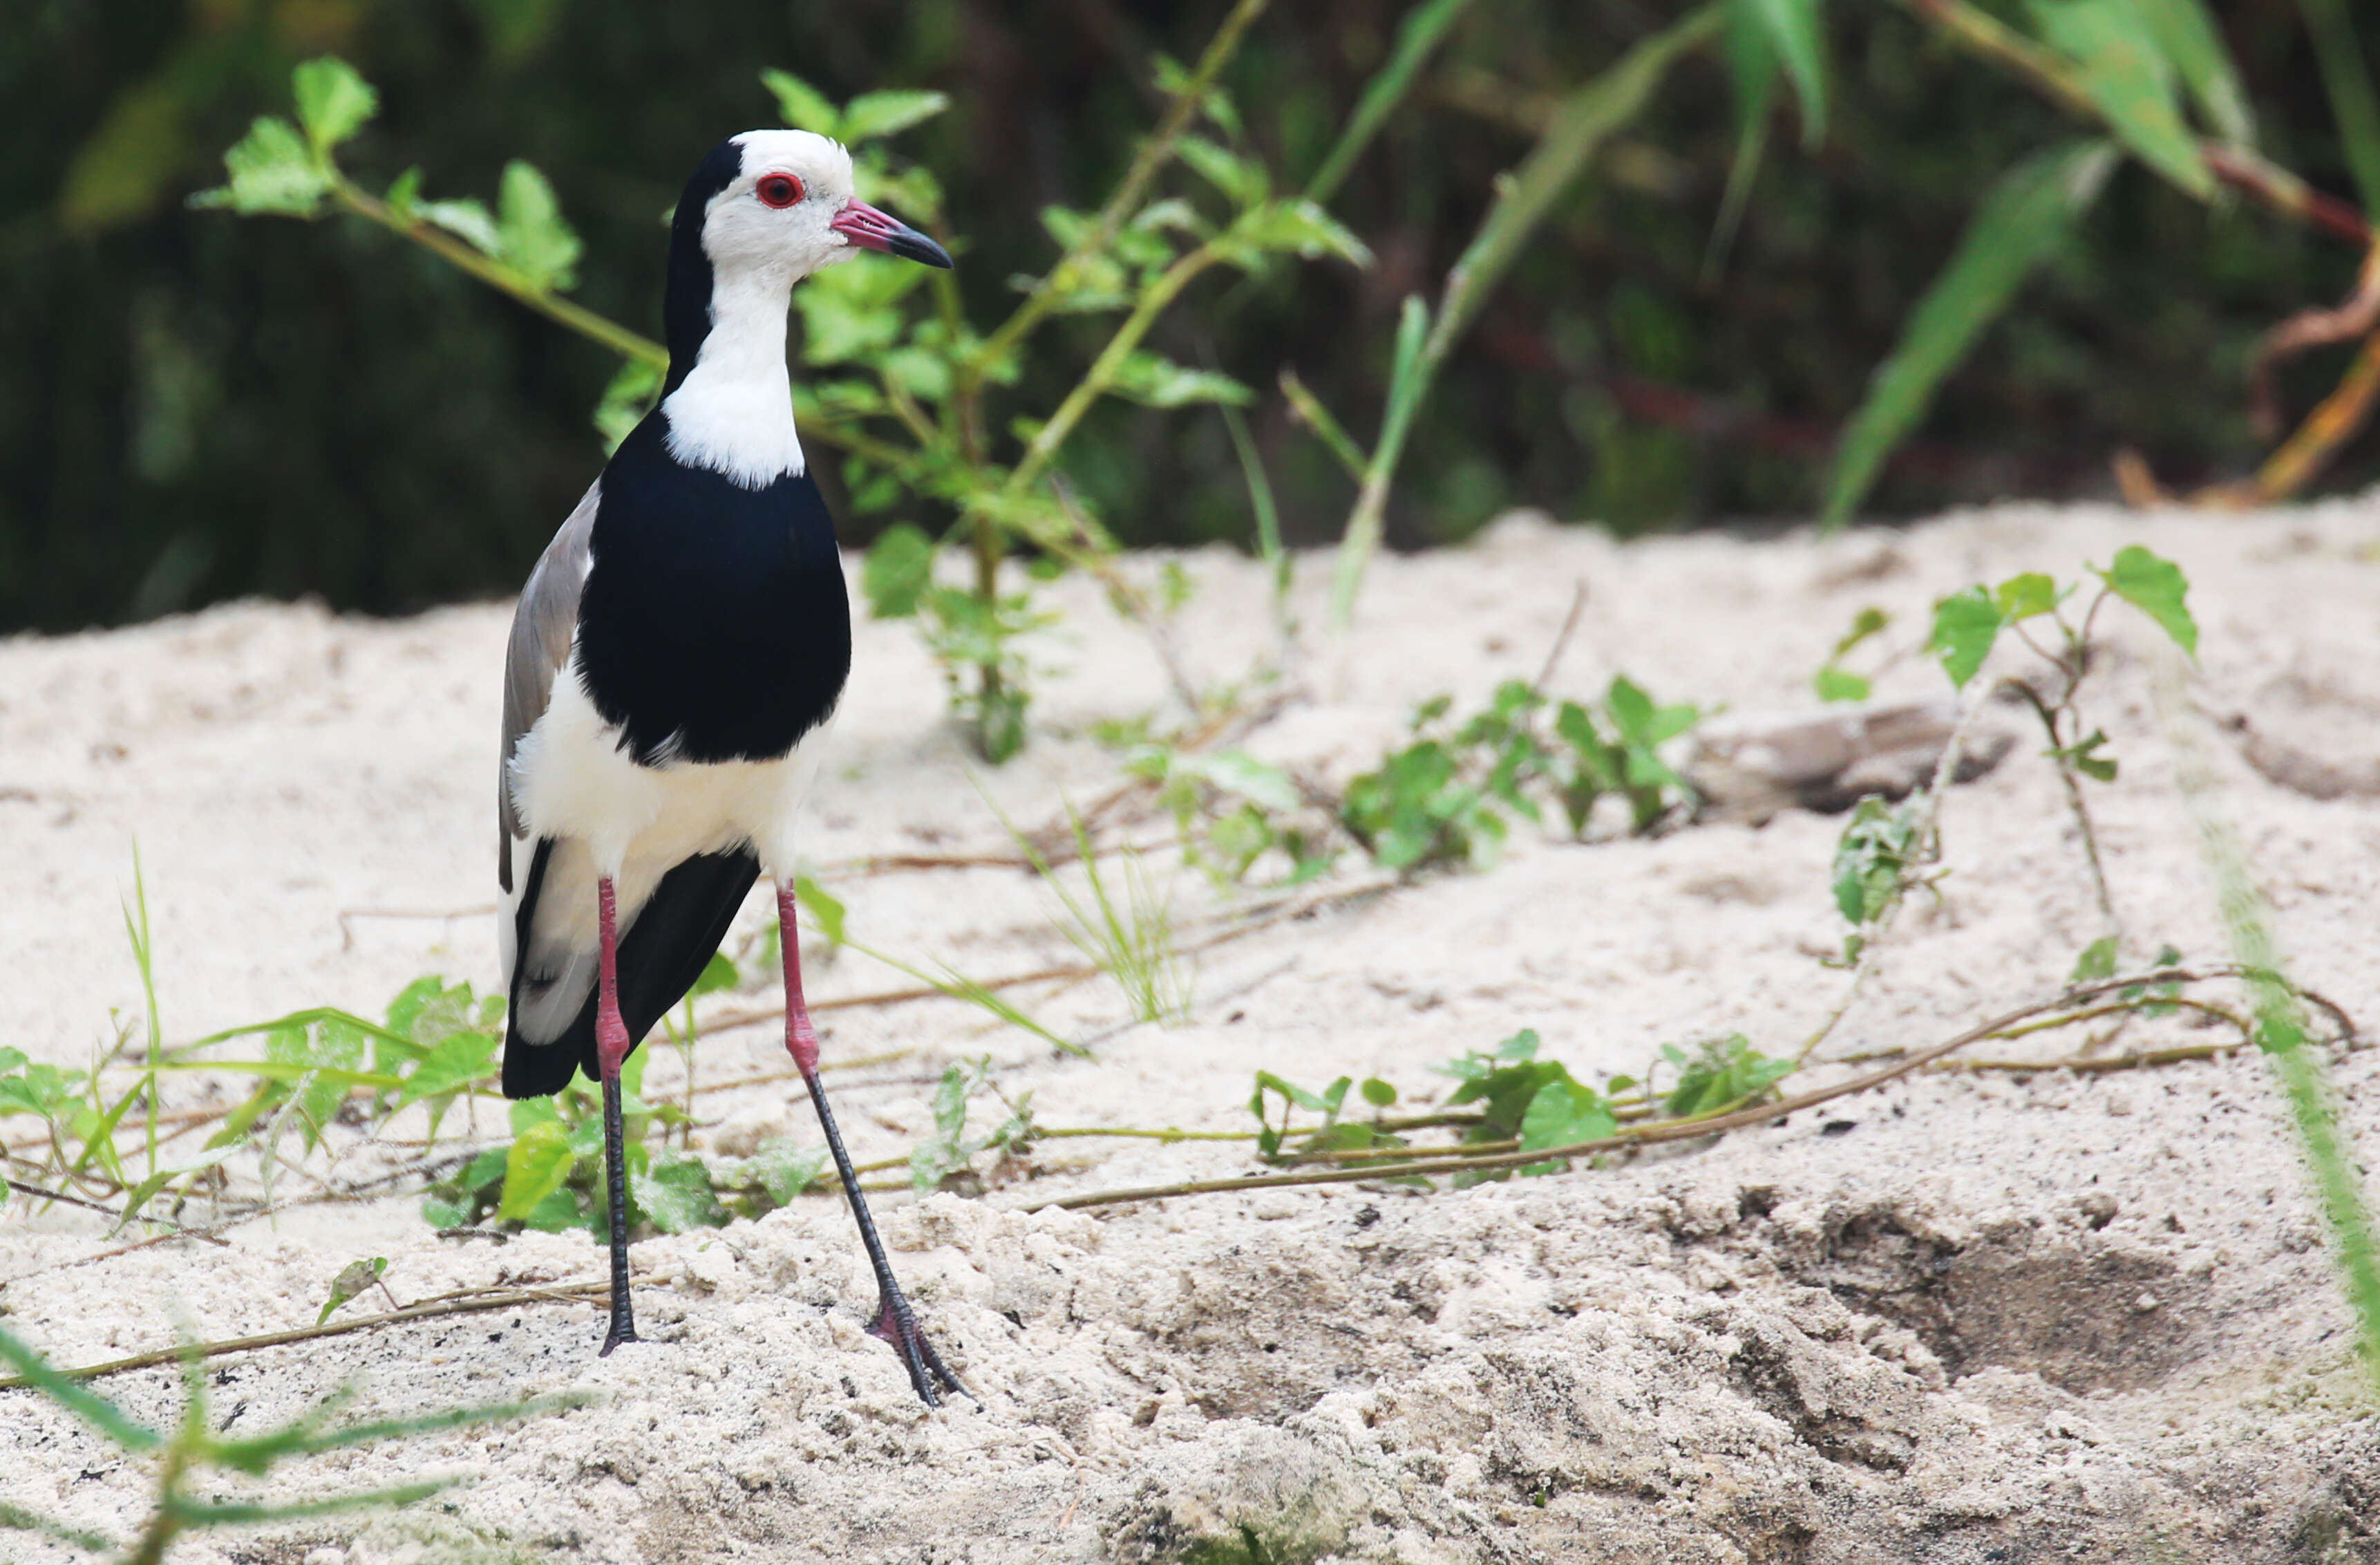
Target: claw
(896,1323)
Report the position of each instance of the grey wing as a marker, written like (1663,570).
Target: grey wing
(542,628)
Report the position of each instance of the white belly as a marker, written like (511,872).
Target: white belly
(573,782)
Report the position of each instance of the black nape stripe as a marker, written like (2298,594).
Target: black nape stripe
(686,299)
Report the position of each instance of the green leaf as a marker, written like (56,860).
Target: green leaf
(1418,33)
(1563,1113)
(1158,382)
(354,1278)
(1836,684)
(884,113)
(1300,227)
(823,905)
(2348,81)
(900,567)
(784,1170)
(1795,33)
(2097,962)
(2022,597)
(1965,626)
(333,101)
(2020,223)
(2186,32)
(627,399)
(77,1398)
(676,1194)
(2157,588)
(467,220)
(1376,1092)
(802,105)
(530,235)
(540,1159)
(146,1190)
(1243,179)
(717,973)
(271,170)
(2129,81)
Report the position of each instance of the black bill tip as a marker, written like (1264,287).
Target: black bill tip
(911,245)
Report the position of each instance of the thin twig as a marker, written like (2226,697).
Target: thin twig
(474,1302)
(1426,1166)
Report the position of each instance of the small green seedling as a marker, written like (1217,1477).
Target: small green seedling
(1835,683)
(355,1279)
(1968,625)
(951,1151)
(1446,797)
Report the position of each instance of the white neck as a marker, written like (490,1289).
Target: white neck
(733,412)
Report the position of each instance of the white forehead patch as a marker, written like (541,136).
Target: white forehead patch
(815,157)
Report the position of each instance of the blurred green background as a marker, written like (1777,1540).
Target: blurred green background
(194,406)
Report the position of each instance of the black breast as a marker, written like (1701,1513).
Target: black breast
(713,626)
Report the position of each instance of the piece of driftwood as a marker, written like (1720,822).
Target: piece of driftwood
(1751,765)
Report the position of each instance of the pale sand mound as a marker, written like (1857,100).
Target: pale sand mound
(1952,1320)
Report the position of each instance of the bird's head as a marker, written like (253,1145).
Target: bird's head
(780,203)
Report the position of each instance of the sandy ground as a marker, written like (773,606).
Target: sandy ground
(1955,1320)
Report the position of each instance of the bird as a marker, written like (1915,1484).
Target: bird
(673,668)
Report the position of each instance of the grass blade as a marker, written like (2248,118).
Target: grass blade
(1581,122)
(1417,37)
(2020,224)
(1796,36)
(2348,82)
(2280,1027)
(2186,33)
(1752,71)
(84,1403)
(2129,81)
(1325,425)
(1260,501)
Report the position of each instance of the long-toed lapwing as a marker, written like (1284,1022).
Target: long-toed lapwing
(674,663)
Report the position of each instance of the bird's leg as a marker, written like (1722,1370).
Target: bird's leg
(895,1322)
(612,1045)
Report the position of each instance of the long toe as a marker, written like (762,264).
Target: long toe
(896,1323)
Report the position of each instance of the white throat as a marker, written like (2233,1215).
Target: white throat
(733,412)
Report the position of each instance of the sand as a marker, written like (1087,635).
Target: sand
(1955,1319)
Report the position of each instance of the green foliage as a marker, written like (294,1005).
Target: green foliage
(1719,1075)
(1332,1135)
(2157,588)
(2024,219)
(355,1279)
(1876,860)
(2129,76)
(196,1455)
(1446,797)
(1835,683)
(949,1150)
(1231,810)
(1125,930)
(1536,1102)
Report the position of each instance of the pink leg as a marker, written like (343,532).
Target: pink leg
(895,1322)
(612,1046)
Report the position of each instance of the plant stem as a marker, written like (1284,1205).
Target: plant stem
(1094,240)
(1426,1164)
(496,274)
(166,1519)
(1988,38)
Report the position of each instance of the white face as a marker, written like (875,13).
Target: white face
(774,215)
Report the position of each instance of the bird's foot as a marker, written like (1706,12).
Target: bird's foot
(896,1323)
(623,1329)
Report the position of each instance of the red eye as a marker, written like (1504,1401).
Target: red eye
(779,190)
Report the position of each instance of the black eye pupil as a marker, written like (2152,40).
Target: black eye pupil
(779,191)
